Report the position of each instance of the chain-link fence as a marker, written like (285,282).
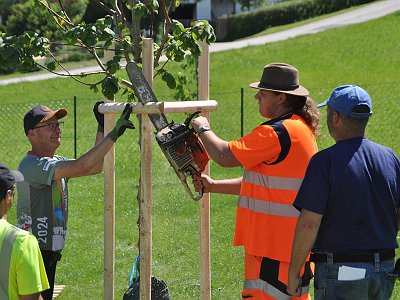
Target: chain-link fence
(237,114)
(15,143)
(382,128)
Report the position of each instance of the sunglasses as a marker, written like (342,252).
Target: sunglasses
(52,126)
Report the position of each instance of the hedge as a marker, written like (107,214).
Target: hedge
(232,27)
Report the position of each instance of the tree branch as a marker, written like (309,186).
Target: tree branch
(54,13)
(167,26)
(65,13)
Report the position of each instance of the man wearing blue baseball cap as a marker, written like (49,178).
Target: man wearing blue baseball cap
(349,202)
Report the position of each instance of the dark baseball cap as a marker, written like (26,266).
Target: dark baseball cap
(9,177)
(346,99)
(41,113)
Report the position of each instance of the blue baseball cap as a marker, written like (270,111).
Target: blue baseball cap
(346,98)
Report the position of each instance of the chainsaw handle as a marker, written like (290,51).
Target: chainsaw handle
(189,191)
(190,118)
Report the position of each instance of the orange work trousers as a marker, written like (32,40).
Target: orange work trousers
(266,279)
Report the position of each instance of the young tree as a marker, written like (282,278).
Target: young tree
(123,28)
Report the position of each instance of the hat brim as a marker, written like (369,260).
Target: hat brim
(322,104)
(18,177)
(59,114)
(300,91)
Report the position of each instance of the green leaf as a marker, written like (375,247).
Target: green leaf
(108,20)
(140,9)
(109,87)
(51,66)
(169,79)
(154,4)
(11,55)
(108,44)
(109,31)
(177,27)
(113,66)
(94,88)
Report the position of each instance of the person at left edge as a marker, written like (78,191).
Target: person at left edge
(22,272)
(42,206)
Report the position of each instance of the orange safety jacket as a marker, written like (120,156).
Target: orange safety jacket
(275,156)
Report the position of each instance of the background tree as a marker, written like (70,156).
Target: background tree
(5,8)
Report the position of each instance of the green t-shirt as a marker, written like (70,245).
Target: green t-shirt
(27,274)
(42,206)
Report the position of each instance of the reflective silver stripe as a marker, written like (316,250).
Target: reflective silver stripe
(266,288)
(270,208)
(269,289)
(305,290)
(272,182)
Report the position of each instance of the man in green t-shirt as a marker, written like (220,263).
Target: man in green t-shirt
(22,275)
(42,206)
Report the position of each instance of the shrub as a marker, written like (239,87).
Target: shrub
(237,26)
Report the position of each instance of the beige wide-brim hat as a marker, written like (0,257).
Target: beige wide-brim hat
(280,77)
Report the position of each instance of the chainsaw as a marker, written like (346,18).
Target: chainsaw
(179,143)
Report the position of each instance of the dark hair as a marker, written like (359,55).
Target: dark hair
(357,124)
(3,191)
(306,108)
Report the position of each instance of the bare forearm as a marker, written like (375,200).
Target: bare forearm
(218,150)
(305,235)
(99,167)
(36,296)
(226,186)
(87,163)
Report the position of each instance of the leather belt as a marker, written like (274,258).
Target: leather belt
(356,257)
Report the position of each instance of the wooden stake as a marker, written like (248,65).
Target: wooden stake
(146,179)
(109,213)
(109,203)
(205,259)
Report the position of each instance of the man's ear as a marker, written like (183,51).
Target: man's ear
(336,118)
(9,196)
(282,98)
(31,133)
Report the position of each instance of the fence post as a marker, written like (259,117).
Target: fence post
(241,111)
(75,142)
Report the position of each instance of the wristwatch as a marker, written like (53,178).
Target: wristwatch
(202,129)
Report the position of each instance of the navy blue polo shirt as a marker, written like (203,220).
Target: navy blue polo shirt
(355,185)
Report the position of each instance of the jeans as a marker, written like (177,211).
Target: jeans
(377,284)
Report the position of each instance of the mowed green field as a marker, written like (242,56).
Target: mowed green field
(366,54)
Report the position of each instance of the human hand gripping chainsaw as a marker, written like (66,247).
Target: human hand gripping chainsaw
(179,143)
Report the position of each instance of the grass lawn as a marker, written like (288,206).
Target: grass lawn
(365,54)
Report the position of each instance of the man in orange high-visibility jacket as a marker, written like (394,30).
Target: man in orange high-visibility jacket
(275,156)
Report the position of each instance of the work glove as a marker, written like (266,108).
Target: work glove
(122,124)
(99,116)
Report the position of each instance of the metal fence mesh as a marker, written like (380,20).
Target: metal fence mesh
(383,127)
(13,136)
